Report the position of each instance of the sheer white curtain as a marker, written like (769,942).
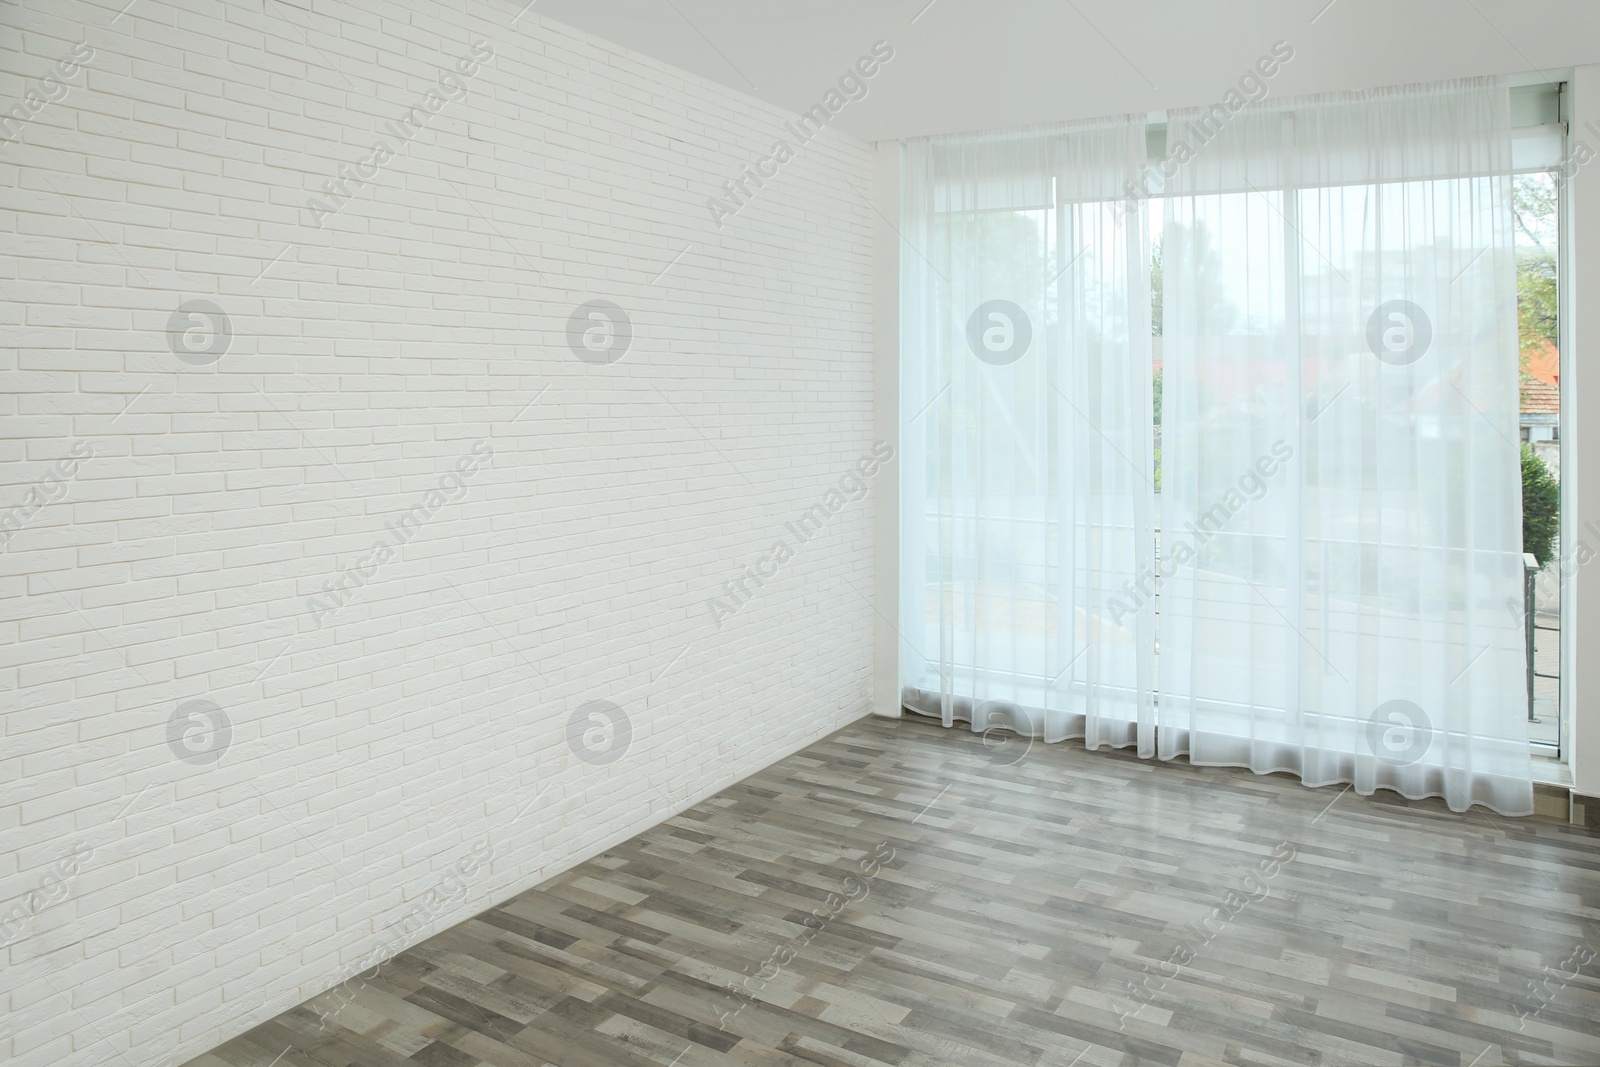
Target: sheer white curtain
(1027,492)
(1341,509)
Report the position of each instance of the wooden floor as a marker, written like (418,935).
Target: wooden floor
(898,894)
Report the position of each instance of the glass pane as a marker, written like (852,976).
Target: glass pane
(1539,346)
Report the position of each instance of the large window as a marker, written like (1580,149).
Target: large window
(1246,467)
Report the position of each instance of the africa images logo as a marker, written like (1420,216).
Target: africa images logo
(852,85)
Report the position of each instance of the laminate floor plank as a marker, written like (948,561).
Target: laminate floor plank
(899,895)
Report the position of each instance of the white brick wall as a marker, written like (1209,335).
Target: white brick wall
(165,523)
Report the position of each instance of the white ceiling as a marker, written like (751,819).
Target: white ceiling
(986,64)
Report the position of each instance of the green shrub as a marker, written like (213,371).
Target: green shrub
(1541,497)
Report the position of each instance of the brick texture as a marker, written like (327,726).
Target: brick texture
(387,522)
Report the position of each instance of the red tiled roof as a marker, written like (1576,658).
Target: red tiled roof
(1539,397)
